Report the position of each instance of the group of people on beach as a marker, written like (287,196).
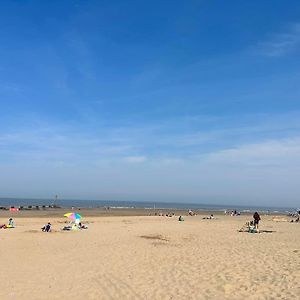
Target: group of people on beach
(297,215)
(73,226)
(168,214)
(209,218)
(232,213)
(252,225)
(235,213)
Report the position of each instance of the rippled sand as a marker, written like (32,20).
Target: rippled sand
(150,258)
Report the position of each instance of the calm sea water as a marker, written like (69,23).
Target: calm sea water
(135,204)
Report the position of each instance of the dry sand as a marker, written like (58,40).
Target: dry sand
(150,258)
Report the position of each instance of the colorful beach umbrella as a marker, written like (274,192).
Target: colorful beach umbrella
(73,215)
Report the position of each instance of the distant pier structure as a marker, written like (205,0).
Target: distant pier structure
(54,204)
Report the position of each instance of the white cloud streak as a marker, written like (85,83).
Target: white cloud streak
(135,159)
(176,139)
(281,43)
(283,153)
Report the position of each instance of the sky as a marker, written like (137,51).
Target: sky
(182,101)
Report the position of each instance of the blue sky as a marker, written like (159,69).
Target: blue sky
(194,101)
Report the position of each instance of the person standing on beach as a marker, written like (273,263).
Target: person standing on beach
(256,218)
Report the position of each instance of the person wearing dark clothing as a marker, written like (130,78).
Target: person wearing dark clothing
(256,218)
(47,228)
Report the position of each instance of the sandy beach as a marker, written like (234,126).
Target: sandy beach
(149,257)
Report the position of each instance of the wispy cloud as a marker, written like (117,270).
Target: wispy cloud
(283,153)
(135,159)
(281,43)
(172,140)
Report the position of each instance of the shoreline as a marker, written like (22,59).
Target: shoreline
(34,204)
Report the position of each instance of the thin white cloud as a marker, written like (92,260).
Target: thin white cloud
(281,43)
(178,139)
(273,153)
(135,159)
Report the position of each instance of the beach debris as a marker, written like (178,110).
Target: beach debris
(279,219)
(155,237)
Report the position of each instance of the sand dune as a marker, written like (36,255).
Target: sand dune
(150,258)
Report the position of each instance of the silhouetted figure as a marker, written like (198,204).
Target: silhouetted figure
(256,218)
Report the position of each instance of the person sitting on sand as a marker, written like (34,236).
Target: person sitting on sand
(82,226)
(210,217)
(47,227)
(11,223)
(180,218)
(256,218)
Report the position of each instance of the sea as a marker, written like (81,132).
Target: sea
(9,202)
